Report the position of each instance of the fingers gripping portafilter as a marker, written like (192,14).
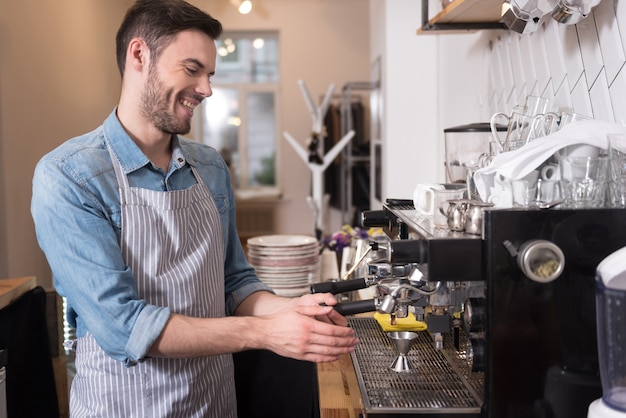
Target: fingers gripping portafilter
(393,268)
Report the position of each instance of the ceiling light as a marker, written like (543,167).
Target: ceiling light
(245,7)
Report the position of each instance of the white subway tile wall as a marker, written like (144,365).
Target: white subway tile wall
(581,66)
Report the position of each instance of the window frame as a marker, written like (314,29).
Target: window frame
(242,183)
(243,89)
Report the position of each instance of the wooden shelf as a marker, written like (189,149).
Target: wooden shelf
(11,289)
(463,16)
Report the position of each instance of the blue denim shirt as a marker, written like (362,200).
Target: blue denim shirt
(76,209)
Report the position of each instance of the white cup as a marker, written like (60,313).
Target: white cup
(424,197)
(501,198)
(550,172)
(509,193)
(578,150)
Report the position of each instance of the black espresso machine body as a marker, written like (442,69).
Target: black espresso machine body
(535,338)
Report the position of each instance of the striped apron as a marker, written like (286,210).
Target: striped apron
(173,243)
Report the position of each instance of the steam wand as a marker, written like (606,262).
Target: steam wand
(373,246)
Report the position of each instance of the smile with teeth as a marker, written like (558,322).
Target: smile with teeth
(188,104)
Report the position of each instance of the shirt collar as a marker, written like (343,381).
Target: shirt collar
(129,155)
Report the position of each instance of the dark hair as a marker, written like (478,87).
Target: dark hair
(157,22)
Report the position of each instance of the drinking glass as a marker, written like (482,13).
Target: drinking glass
(584,181)
(570,117)
(536,105)
(521,128)
(523,192)
(617,170)
(547,191)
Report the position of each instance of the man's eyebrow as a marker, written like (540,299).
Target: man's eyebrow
(194,61)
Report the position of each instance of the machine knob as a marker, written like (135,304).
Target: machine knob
(540,260)
(475,314)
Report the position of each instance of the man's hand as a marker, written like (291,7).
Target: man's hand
(299,334)
(320,299)
(304,328)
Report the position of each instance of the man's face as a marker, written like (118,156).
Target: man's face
(178,81)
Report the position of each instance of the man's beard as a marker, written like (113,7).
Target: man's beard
(155,103)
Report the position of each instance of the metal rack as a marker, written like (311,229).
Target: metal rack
(440,382)
(348,159)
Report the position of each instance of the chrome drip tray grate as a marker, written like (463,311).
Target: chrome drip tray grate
(440,381)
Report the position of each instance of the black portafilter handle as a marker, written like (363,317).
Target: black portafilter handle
(374,218)
(340,286)
(356,307)
(408,251)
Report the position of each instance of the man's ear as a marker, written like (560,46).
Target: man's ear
(138,55)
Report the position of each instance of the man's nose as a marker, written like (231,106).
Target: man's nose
(204,88)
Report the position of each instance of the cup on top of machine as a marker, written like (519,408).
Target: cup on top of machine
(617,169)
(584,181)
(424,197)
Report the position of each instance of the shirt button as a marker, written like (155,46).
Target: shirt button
(181,160)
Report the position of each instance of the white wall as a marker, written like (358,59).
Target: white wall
(58,79)
(410,96)
(581,66)
(321,42)
(478,74)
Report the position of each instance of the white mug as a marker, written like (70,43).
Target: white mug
(501,198)
(424,197)
(578,150)
(550,172)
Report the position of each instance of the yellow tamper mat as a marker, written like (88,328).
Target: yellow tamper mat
(402,324)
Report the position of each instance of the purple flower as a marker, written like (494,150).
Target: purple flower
(343,238)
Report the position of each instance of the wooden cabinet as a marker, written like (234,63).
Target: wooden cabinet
(463,16)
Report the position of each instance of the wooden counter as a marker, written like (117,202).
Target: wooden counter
(11,289)
(339,389)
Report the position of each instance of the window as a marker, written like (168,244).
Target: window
(240,119)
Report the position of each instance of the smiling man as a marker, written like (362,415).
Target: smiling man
(138,226)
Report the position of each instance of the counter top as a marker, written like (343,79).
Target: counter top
(339,389)
(11,289)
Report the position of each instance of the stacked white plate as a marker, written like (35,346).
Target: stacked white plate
(289,264)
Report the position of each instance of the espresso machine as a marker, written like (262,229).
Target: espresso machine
(510,313)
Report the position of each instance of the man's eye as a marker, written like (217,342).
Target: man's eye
(191,71)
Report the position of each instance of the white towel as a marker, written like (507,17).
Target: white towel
(518,163)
